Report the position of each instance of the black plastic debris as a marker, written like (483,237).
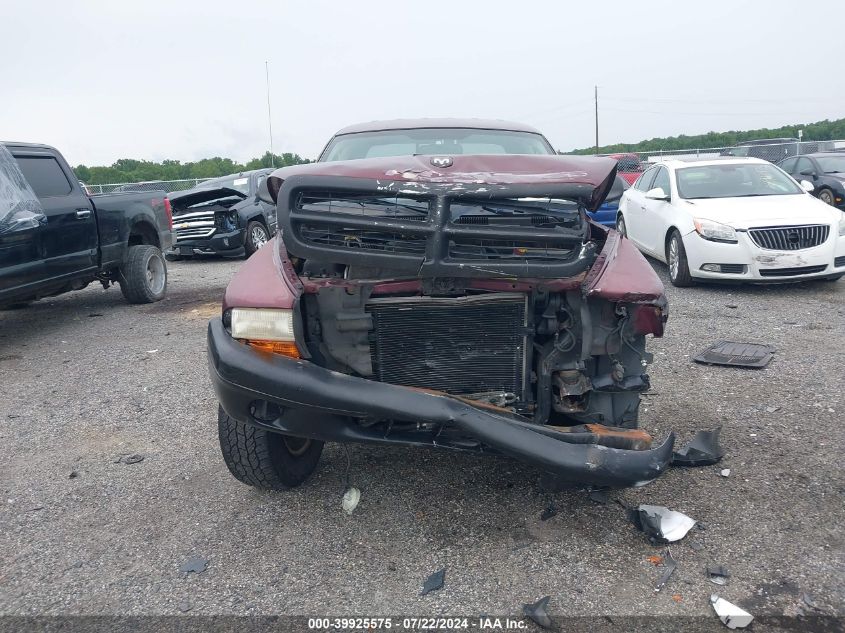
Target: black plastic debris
(537,612)
(73,474)
(703,450)
(660,524)
(598,496)
(132,459)
(194,565)
(753,355)
(669,567)
(549,512)
(718,574)
(434,582)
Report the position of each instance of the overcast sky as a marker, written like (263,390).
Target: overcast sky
(185,79)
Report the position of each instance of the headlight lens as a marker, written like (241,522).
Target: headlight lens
(265,329)
(842,224)
(714,231)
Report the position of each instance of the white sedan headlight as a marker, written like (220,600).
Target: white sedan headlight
(842,224)
(715,232)
(265,329)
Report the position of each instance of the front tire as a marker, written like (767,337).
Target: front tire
(826,196)
(143,276)
(620,225)
(676,257)
(256,237)
(262,459)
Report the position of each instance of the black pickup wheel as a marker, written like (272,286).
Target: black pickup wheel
(263,459)
(143,276)
(256,237)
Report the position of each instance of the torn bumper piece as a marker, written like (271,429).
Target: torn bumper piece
(310,401)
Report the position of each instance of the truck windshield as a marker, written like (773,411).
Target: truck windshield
(734,181)
(433,141)
(239,183)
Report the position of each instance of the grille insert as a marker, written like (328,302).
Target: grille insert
(384,241)
(365,205)
(789,272)
(789,238)
(514,250)
(459,345)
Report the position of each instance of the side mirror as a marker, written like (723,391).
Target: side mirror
(264,193)
(806,185)
(657,194)
(808,172)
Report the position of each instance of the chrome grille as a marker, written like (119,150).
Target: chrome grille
(789,238)
(189,226)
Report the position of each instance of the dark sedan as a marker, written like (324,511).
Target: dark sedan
(824,170)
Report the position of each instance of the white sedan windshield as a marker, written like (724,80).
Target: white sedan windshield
(733,180)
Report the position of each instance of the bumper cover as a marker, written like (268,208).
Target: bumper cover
(228,244)
(325,405)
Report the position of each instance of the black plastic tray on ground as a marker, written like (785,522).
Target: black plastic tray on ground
(752,355)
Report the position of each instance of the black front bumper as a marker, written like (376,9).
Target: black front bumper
(225,244)
(325,405)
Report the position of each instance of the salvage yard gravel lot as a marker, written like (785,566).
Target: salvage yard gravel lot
(88,380)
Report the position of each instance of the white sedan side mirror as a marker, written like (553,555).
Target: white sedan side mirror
(806,185)
(657,194)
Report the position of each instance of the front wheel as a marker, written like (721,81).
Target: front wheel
(620,225)
(263,459)
(676,257)
(826,196)
(143,276)
(256,237)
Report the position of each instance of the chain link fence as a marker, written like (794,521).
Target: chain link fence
(150,185)
(772,150)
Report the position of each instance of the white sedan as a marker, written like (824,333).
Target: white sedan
(738,219)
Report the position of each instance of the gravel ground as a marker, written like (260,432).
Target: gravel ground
(88,379)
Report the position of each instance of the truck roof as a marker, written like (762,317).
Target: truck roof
(416,124)
(29,145)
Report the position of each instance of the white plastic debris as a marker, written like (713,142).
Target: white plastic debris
(725,472)
(731,615)
(350,500)
(661,524)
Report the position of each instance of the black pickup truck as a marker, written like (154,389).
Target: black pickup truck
(222,217)
(55,238)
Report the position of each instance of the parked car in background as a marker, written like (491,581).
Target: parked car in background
(824,170)
(629,166)
(223,216)
(740,219)
(436,283)
(606,213)
(776,149)
(55,238)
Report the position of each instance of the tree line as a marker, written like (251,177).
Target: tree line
(819,131)
(131,170)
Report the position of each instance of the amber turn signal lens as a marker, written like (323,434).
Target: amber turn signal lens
(285,348)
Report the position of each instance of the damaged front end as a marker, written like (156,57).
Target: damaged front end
(481,313)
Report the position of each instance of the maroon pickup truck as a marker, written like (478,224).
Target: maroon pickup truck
(438,283)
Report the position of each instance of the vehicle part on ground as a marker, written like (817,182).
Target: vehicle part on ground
(669,565)
(660,524)
(549,512)
(598,496)
(752,355)
(434,582)
(350,501)
(538,612)
(260,458)
(194,565)
(702,450)
(143,277)
(718,574)
(731,615)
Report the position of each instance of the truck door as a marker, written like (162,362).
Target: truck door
(69,241)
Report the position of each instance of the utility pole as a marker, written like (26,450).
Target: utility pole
(270,117)
(597,118)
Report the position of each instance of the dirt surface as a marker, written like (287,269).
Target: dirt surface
(88,380)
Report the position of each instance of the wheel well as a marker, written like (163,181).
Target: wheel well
(143,233)
(258,218)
